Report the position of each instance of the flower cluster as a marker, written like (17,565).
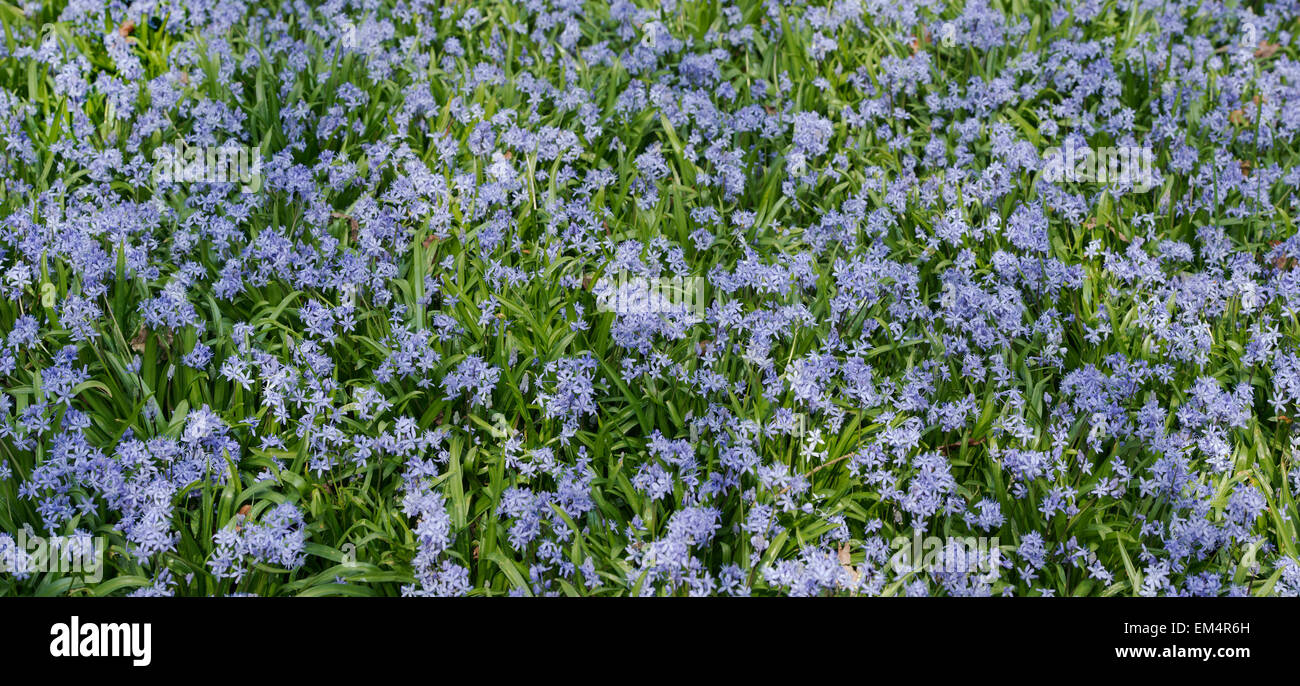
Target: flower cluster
(615,298)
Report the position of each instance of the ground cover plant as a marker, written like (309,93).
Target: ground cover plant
(553,297)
